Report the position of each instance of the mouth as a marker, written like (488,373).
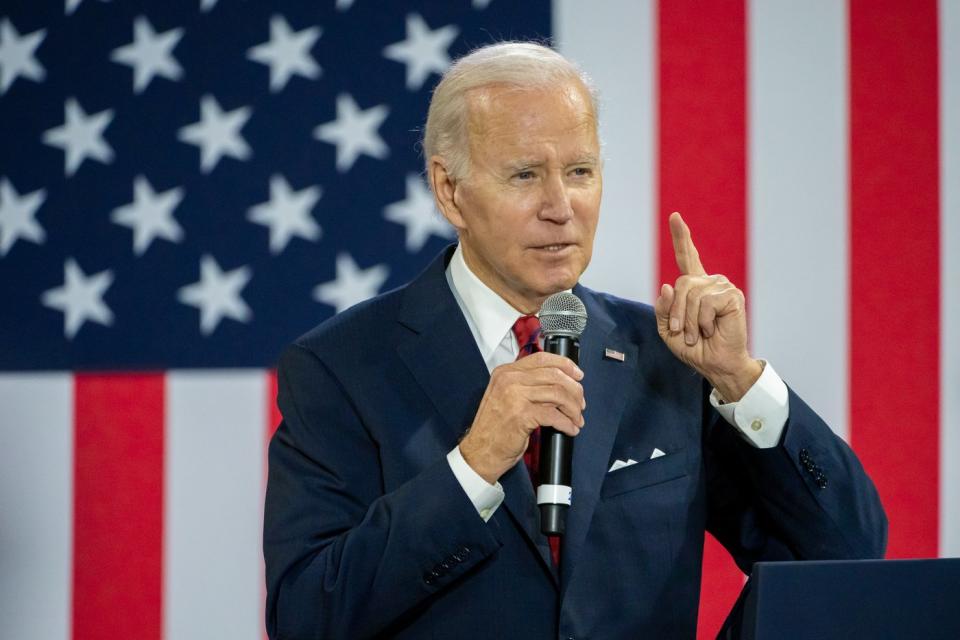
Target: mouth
(554,248)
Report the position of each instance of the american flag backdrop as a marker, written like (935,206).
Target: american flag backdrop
(187,186)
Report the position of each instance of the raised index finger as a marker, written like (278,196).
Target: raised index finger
(688,258)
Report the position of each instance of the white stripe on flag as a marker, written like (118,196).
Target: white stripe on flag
(614,42)
(798,197)
(213,513)
(36,497)
(950,278)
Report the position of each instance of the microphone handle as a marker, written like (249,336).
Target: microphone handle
(556,455)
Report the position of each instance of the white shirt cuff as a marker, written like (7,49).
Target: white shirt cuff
(761,413)
(486,497)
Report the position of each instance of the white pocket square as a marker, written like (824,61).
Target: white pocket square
(620,464)
(656,453)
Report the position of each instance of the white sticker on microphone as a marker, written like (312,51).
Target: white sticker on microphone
(554,494)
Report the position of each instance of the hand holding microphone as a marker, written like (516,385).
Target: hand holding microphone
(540,389)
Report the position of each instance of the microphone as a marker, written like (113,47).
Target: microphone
(562,319)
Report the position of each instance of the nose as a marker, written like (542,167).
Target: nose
(556,205)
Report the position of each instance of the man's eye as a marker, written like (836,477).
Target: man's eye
(524,175)
(582,171)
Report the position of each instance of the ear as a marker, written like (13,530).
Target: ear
(445,192)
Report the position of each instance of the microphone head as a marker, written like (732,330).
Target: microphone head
(563,314)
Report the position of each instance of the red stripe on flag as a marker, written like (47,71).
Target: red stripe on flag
(702,160)
(273,411)
(273,421)
(118,506)
(894,268)
(703,136)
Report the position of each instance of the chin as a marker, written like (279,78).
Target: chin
(566,277)
(561,283)
(550,279)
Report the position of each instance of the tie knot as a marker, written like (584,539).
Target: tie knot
(527,331)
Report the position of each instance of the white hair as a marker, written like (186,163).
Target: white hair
(525,65)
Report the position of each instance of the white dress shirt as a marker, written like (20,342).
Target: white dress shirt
(759,417)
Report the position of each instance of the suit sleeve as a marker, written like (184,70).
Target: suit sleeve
(344,558)
(808,498)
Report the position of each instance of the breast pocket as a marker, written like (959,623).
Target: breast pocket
(645,474)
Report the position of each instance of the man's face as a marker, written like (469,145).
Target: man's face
(527,212)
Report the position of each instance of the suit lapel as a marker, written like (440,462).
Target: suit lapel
(607,385)
(443,358)
(447,365)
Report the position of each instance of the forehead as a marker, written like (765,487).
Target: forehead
(507,118)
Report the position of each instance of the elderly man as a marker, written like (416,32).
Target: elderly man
(399,502)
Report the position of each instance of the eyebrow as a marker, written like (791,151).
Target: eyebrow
(586,159)
(522,165)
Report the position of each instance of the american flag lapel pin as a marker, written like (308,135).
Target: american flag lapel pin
(613,354)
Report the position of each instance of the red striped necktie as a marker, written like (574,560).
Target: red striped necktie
(527,331)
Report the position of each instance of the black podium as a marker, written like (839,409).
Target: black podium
(849,600)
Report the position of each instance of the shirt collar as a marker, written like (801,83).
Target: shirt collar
(489,315)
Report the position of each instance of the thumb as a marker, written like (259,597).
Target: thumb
(662,306)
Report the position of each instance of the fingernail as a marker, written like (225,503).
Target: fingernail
(689,339)
(663,289)
(674,324)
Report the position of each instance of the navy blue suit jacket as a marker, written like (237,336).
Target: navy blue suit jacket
(368,533)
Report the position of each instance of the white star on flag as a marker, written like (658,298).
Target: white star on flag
(287,213)
(18,216)
(352,284)
(481,4)
(150,54)
(150,215)
(81,136)
(218,133)
(418,213)
(207,5)
(354,132)
(424,51)
(217,294)
(343,5)
(18,55)
(287,53)
(80,298)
